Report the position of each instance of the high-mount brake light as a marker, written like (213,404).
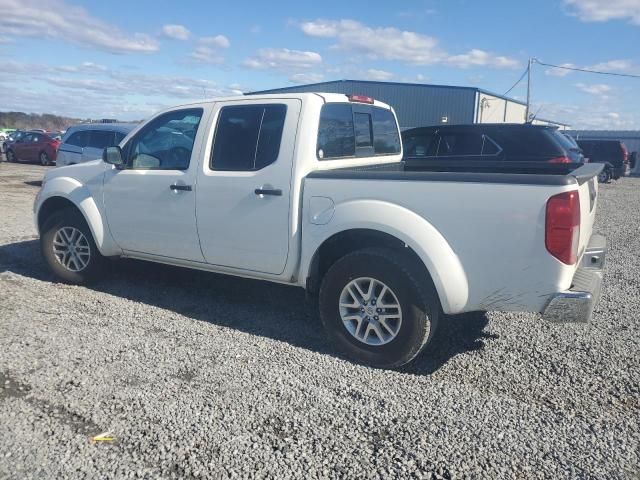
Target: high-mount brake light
(361,99)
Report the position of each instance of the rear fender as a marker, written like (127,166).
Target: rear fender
(424,239)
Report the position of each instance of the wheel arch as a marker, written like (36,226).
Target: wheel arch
(67,193)
(402,229)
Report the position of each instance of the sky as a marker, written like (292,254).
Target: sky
(127,60)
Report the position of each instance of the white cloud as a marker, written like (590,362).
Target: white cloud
(614,66)
(219,41)
(57,20)
(598,89)
(378,75)
(605,10)
(176,32)
(306,78)
(478,57)
(283,59)
(390,43)
(559,72)
(208,50)
(122,92)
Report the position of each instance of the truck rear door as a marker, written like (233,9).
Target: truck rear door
(243,195)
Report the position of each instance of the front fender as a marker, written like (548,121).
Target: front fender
(426,241)
(72,190)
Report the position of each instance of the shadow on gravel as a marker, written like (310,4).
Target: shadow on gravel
(259,308)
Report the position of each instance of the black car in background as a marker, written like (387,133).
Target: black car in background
(490,147)
(613,152)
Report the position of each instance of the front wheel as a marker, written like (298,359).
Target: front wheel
(377,309)
(69,249)
(11,157)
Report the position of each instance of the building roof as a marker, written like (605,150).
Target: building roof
(393,84)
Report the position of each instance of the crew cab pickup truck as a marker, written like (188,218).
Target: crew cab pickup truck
(310,190)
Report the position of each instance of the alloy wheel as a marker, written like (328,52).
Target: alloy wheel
(71,249)
(370,311)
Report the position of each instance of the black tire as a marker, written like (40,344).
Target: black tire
(416,295)
(44,159)
(70,218)
(11,157)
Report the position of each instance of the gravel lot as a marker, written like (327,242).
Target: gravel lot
(199,375)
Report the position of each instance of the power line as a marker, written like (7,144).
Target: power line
(586,70)
(516,84)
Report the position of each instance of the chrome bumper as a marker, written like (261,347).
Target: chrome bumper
(577,303)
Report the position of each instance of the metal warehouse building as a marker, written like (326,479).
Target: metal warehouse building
(418,105)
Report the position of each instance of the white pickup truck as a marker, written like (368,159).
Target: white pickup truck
(310,190)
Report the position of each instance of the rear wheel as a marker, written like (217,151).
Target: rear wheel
(44,159)
(377,309)
(69,249)
(603,176)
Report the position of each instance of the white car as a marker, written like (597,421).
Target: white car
(85,142)
(309,190)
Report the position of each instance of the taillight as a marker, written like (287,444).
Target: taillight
(562,226)
(563,159)
(360,99)
(625,154)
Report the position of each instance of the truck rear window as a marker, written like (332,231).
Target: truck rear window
(343,133)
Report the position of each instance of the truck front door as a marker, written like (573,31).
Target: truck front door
(150,203)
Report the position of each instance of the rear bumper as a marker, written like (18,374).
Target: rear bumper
(577,303)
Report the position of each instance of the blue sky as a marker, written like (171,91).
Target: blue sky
(128,59)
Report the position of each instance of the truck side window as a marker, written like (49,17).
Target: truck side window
(166,142)
(248,137)
(118,137)
(336,136)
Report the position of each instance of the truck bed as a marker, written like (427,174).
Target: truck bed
(542,174)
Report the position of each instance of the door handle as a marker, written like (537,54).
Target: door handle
(184,188)
(268,191)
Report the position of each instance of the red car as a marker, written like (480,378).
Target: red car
(35,147)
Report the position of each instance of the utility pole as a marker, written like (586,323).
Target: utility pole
(526,114)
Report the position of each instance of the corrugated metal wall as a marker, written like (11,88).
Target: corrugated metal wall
(415,105)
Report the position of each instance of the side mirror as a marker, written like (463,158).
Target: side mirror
(113,156)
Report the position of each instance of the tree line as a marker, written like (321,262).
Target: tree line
(27,121)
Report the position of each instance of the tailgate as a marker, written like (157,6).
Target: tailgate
(587,177)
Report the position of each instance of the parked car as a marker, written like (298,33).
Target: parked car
(309,189)
(13,136)
(487,147)
(82,143)
(34,147)
(613,152)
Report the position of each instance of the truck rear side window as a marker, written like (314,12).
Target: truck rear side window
(248,137)
(343,133)
(336,137)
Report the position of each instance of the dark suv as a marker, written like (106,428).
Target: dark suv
(612,152)
(489,147)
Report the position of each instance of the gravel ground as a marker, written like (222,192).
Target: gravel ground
(199,375)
